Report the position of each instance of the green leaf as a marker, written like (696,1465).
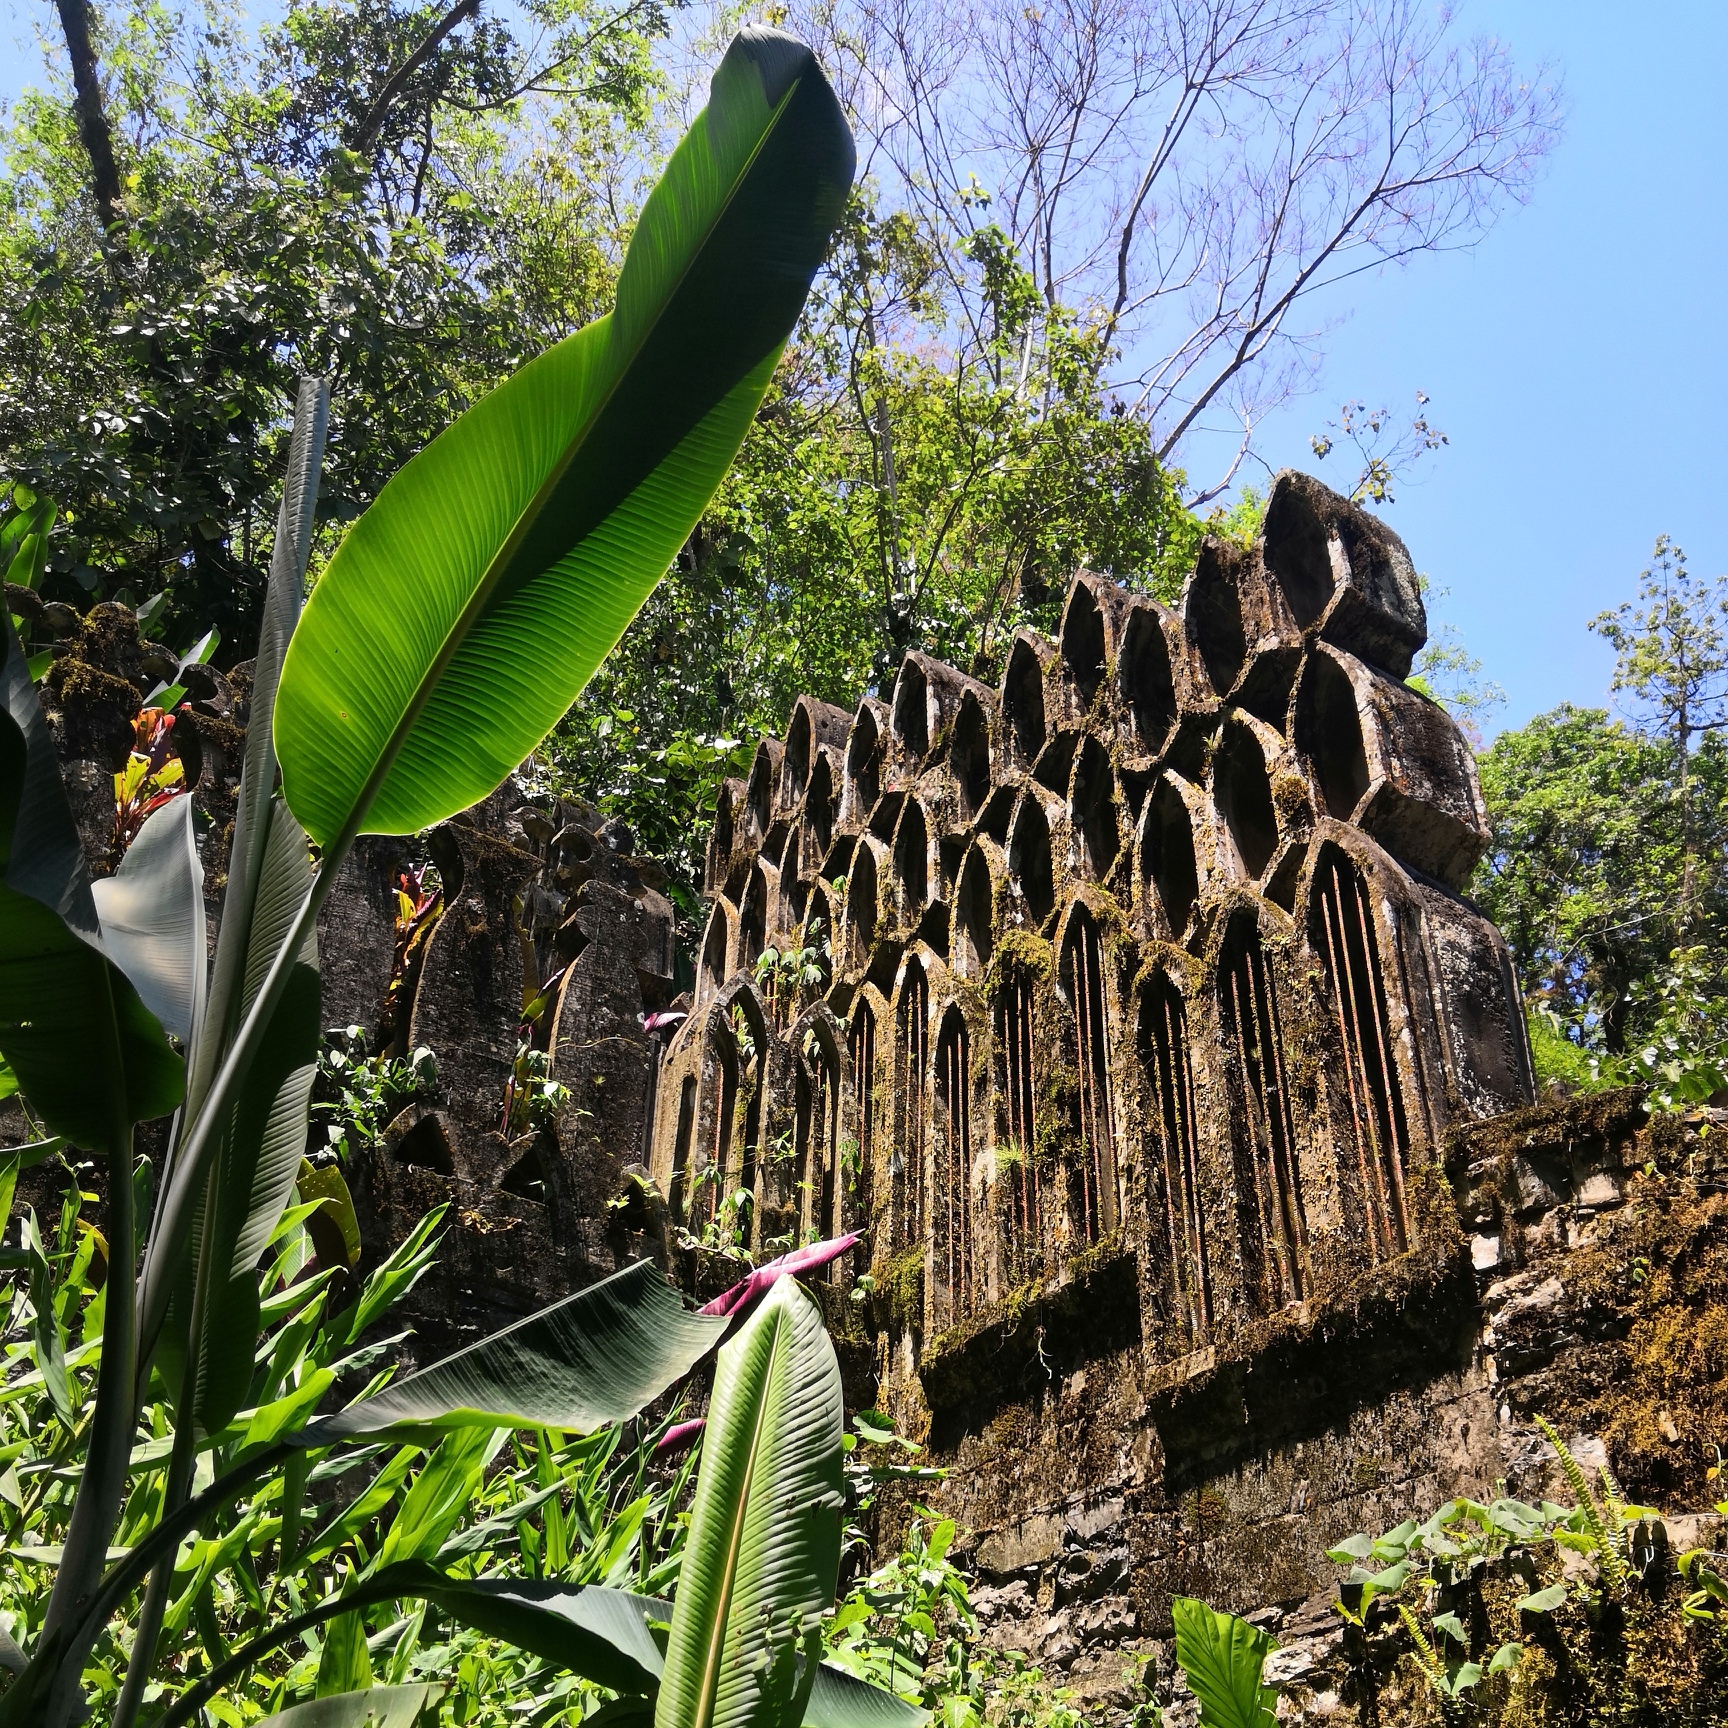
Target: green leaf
(261,1147)
(466,609)
(1450,1626)
(1224,1659)
(152,913)
(24,538)
(72,1028)
(8,1080)
(763,1551)
(389,1283)
(334,1225)
(596,1357)
(602,1635)
(257,832)
(842,1700)
(345,1665)
(1357,1547)
(1543,1601)
(377,1707)
(447,1484)
(1507,1656)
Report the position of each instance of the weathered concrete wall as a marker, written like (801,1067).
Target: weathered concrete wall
(1182,1102)
(1577,1266)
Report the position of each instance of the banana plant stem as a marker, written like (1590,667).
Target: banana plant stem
(180,1467)
(187,1706)
(102,1489)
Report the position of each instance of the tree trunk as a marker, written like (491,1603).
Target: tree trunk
(92,116)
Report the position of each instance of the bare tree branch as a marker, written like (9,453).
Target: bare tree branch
(1194,180)
(365,134)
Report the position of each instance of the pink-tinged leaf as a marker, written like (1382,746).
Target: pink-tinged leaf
(801,1260)
(678,1436)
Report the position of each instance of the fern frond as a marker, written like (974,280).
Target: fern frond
(1610,1562)
(1427,1657)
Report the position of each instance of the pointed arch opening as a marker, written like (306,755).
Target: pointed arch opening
(717,1113)
(816,1133)
(1023,703)
(862,900)
(1092,1180)
(1329,735)
(1173,1164)
(764,782)
(911,863)
(858,1159)
(1242,791)
(1341,931)
(819,812)
(1270,1218)
(678,1194)
(953,1258)
(1083,644)
(1167,865)
(1017,1127)
(864,762)
(1029,863)
(909,719)
(1213,609)
(974,936)
(1092,810)
(969,756)
(911,1076)
(1145,682)
(755,916)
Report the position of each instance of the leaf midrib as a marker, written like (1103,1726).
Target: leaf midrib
(717,1637)
(487,586)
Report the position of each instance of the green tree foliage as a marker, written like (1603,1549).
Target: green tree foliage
(924,475)
(291,206)
(1607,855)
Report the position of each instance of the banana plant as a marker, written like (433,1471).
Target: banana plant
(740,1645)
(460,617)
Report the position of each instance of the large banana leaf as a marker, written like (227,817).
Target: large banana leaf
(842,1700)
(596,1357)
(85,1049)
(152,913)
(469,605)
(763,1552)
(261,1146)
(377,1707)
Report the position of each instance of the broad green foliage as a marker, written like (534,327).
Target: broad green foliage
(1224,1659)
(459,619)
(579,477)
(764,1547)
(1608,870)
(1516,1612)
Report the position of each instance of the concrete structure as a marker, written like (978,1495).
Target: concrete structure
(1132,1012)
(1148,966)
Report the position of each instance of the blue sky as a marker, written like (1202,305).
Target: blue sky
(1577,359)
